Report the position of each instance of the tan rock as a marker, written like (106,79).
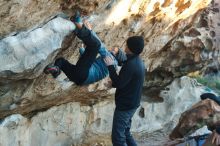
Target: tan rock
(206,112)
(19,15)
(177,43)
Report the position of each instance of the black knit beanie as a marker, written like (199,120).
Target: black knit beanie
(210,96)
(135,44)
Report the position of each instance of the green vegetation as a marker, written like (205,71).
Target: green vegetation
(212,82)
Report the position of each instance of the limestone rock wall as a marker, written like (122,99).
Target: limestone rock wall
(181,37)
(74,123)
(177,43)
(23,54)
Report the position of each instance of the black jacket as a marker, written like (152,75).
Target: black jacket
(128,83)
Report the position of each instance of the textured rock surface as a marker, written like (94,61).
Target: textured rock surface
(19,15)
(73,123)
(205,112)
(185,45)
(181,37)
(23,53)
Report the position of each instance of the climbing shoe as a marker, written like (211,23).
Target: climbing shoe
(76,17)
(53,70)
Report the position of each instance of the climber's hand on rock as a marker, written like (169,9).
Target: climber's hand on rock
(109,61)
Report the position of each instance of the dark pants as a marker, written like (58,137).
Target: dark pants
(78,73)
(121,135)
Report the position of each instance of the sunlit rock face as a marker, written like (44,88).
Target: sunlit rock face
(181,36)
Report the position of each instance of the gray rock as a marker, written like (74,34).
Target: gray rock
(22,53)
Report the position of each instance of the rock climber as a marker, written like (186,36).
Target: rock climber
(89,68)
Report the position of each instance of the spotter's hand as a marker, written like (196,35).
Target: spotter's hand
(109,61)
